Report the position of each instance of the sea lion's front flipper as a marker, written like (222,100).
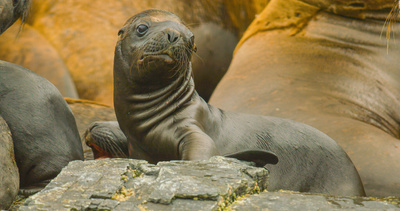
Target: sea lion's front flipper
(259,157)
(106,140)
(196,145)
(34,188)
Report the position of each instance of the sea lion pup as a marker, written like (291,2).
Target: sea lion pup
(164,118)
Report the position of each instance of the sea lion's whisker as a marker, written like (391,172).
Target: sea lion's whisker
(389,22)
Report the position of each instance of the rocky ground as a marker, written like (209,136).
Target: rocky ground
(218,184)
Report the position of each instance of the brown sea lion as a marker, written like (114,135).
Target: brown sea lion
(69,27)
(164,118)
(325,63)
(28,48)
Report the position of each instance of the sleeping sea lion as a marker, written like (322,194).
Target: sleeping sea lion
(326,63)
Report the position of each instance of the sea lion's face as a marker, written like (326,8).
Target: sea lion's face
(10,11)
(156,46)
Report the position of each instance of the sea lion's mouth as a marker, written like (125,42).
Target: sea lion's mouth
(155,58)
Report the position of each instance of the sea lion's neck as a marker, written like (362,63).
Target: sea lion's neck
(148,109)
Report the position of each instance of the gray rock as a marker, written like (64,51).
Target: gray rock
(9,176)
(218,184)
(125,184)
(305,201)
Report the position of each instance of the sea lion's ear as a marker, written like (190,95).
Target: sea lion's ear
(121,31)
(194,48)
(260,157)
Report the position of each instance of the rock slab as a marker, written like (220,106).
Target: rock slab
(306,201)
(217,184)
(126,184)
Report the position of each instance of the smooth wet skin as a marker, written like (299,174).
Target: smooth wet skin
(333,72)
(164,118)
(42,125)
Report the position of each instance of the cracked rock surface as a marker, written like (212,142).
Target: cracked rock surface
(125,184)
(306,201)
(217,184)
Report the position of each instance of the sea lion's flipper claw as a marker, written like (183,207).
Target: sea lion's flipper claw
(259,157)
(34,188)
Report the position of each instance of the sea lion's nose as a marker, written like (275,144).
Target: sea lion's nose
(173,35)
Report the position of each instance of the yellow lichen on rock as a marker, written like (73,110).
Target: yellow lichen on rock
(123,194)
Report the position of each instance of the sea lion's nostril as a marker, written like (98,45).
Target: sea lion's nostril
(172,36)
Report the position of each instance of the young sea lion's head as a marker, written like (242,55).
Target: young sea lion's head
(11,10)
(154,46)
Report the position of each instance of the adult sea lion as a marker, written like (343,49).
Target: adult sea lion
(28,48)
(37,136)
(32,47)
(10,11)
(65,32)
(326,64)
(164,118)
(43,128)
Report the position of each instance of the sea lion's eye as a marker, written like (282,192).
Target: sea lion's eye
(141,29)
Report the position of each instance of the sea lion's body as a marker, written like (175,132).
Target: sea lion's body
(333,72)
(38,133)
(43,128)
(309,161)
(163,117)
(9,178)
